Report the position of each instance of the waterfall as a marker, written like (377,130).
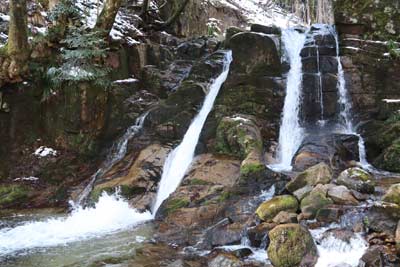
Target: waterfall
(291,133)
(345,108)
(116,153)
(111,213)
(179,160)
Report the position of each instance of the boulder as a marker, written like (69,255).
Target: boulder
(313,202)
(141,177)
(390,157)
(341,195)
(255,53)
(269,209)
(302,192)
(338,150)
(291,245)
(317,174)
(329,214)
(357,179)
(393,194)
(231,31)
(285,217)
(265,29)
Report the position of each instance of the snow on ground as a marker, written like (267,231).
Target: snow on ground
(129,80)
(29,178)
(44,152)
(391,100)
(262,12)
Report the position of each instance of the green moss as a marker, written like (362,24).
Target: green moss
(225,196)
(12,194)
(175,204)
(196,181)
(4,50)
(252,168)
(290,243)
(269,209)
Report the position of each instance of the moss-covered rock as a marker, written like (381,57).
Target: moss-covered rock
(357,179)
(12,194)
(375,19)
(231,31)
(390,158)
(291,245)
(269,209)
(314,201)
(238,136)
(317,174)
(393,194)
(255,53)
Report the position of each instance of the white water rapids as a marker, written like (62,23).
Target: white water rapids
(291,133)
(112,213)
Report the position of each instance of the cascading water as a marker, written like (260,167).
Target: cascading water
(345,108)
(291,132)
(116,153)
(179,160)
(112,213)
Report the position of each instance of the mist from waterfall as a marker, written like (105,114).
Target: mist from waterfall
(112,213)
(291,133)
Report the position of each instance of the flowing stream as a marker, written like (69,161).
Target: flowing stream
(291,133)
(112,214)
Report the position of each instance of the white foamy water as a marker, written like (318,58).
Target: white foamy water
(346,106)
(333,251)
(109,214)
(291,133)
(179,160)
(112,213)
(116,153)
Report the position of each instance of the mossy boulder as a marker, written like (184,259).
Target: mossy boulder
(393,194)
(357,179)
(269,209)
(291,245)
(317,174)
(231,31)
(314,201)
(11,195)
(255,53)
(390,158)
(238,136)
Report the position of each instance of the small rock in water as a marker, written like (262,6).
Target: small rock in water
(341,195)
(357,179)
(269,209)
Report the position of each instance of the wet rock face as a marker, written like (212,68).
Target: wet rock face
(319,76)
(255,53)
(337,150)
(378,19)
(291,245)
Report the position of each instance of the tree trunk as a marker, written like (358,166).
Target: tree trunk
(145,7)
(106,18)
(18,47)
